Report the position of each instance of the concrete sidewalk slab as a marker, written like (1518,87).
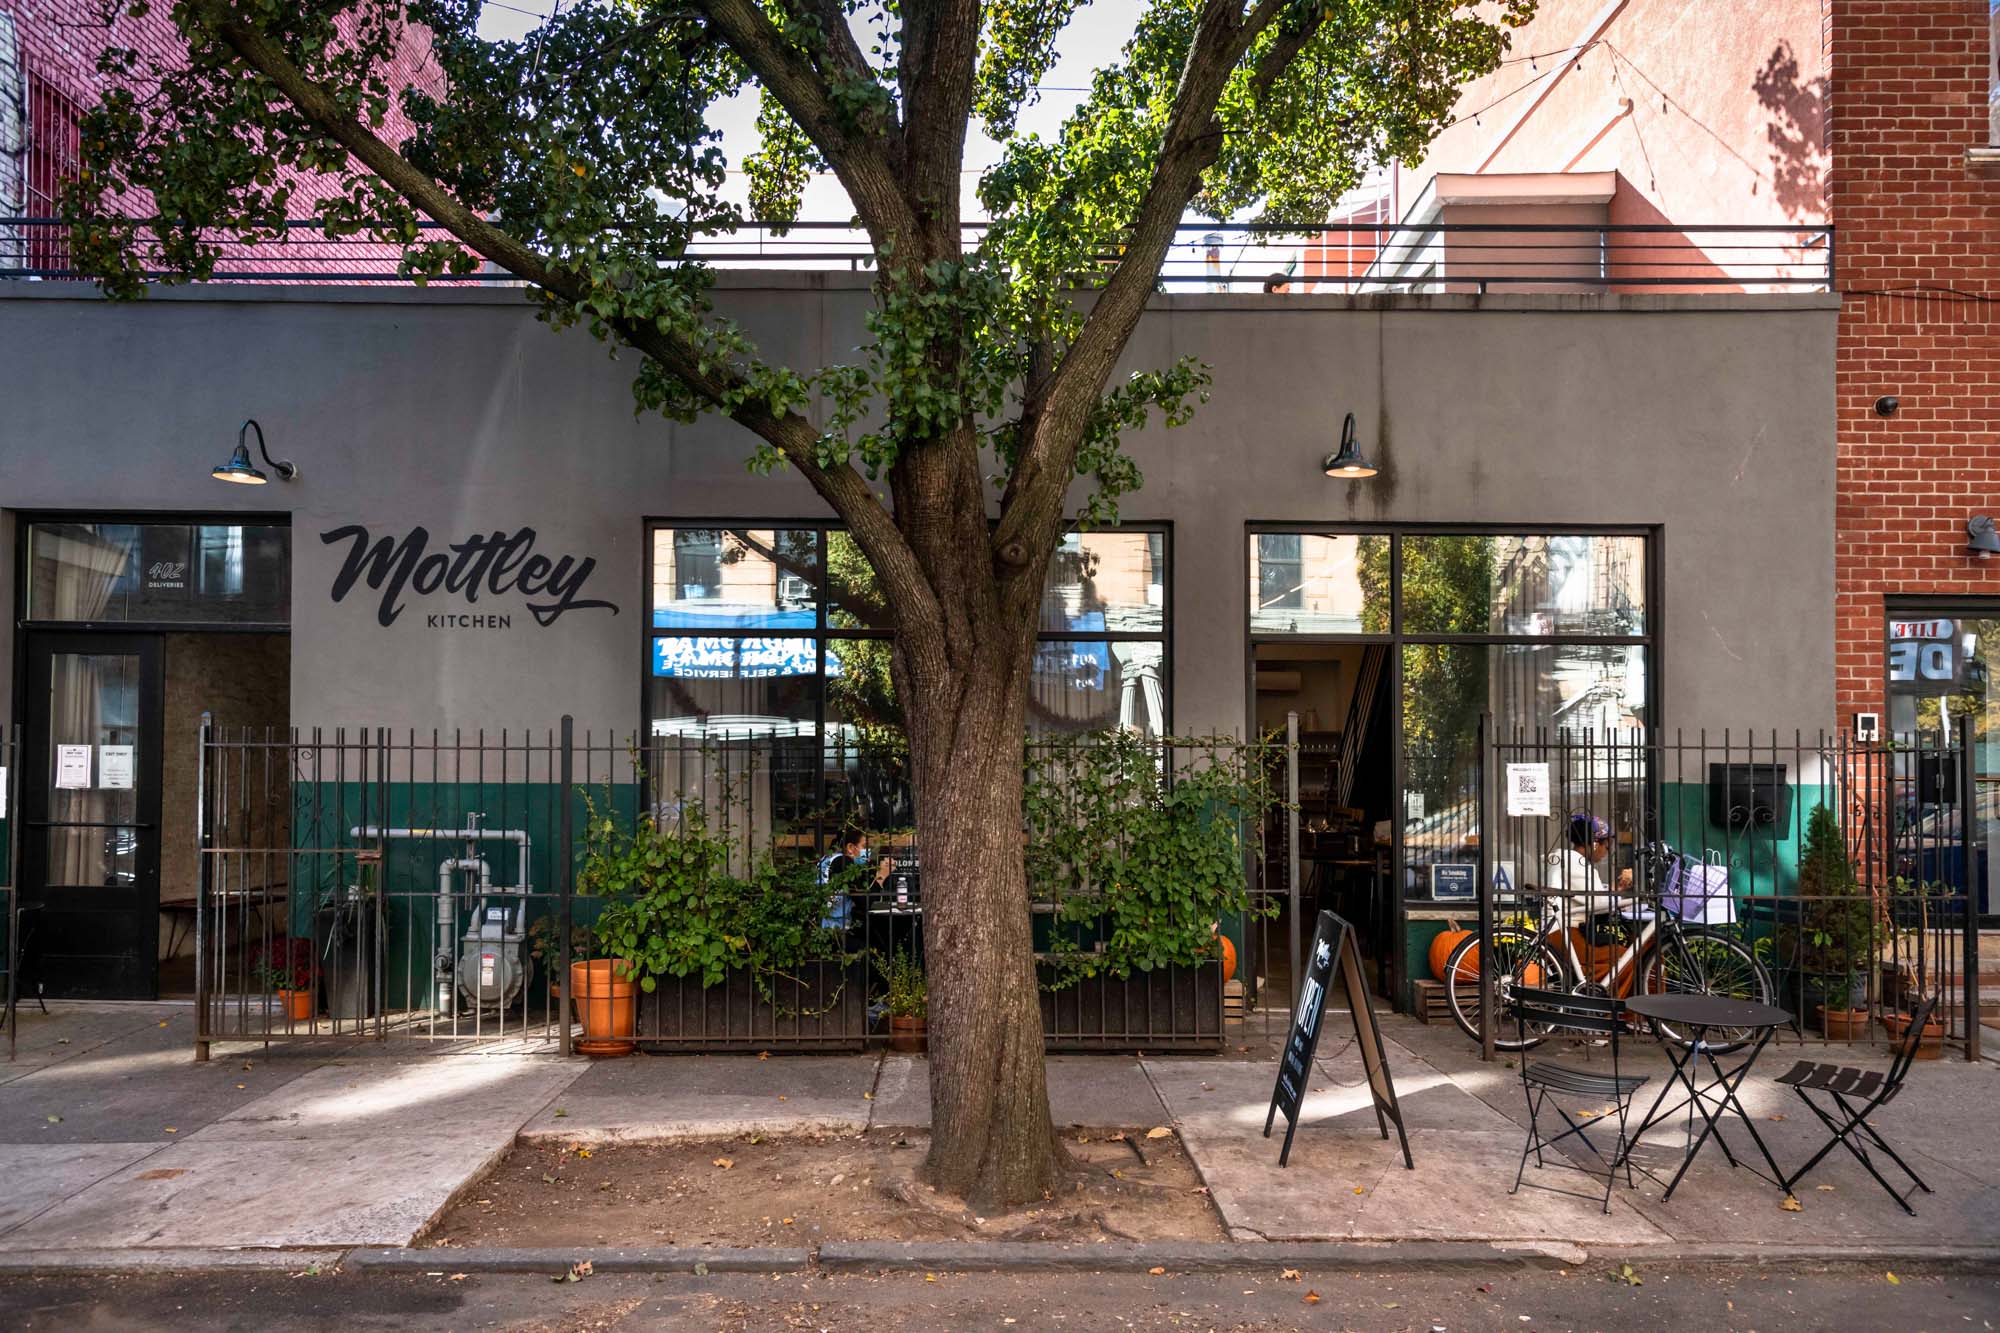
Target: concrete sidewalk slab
(485,1098)
(371,1190)
(139,1086)
(662,1099)
(38,1178)
(1097,1091)
(71,1029)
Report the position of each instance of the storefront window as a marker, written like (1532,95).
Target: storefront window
(160,573)
(781,633)
(1310,583)
(1531,586)
(1940,670)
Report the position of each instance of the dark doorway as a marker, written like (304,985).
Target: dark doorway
(90,855)
(1340,693)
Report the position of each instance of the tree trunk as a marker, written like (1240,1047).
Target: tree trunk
(992,1140)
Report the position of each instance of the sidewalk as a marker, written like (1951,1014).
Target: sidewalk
(113,1139)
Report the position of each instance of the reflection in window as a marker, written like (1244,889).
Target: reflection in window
(712,578)
(1307,583)
(1094,685)
(1993,72)
(1530,586)
(173,573)
(1941,670)
(1107,581)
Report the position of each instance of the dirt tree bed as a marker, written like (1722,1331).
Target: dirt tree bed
(802,1190)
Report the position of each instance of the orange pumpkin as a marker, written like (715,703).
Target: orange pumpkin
(1228,956)
(1441,947)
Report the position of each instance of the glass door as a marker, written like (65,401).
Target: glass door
(90,858)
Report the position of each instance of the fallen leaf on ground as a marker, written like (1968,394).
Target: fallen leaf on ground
(725,1162)
(1778,1117)
(583,1152)
(763,1055)
(577,1272)
(1156,1270)
(1360,1189)
(162,1173)
(1827,1189)
(560,1113)
(1159,1132)
(1290,1275)
(1894,1281)
(548,1180)
(457,1277)
(930,1277)
(1311,1298)
(163,1022)
(867,1096)
(1792,1205)
(1628,1277)
(172,1130)
(786,1220)
(55,1120)
(701,1270)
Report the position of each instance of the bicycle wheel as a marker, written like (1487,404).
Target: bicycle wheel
(1522,959)
(1696,960)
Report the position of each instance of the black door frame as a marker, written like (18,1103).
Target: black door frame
(138,938)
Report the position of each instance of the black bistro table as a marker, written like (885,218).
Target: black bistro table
(1694,1017)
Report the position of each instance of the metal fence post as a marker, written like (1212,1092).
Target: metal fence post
(10,802)
(1968,954)
(565,875)
(1292,851)
(201,892)
(1486,955)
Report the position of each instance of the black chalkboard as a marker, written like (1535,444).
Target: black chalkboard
(1333,952)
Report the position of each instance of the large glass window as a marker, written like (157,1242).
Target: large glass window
(1311,583)
(760,633)
(1532,586)
(171,573)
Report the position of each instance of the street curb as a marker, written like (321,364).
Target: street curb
(557,1261)
(1910,1256)
(1176,1257)
(663,1133)
(22,1263)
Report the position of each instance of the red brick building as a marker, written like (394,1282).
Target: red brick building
(49,79)
(1915,193)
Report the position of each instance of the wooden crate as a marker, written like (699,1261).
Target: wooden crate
(1432,1006)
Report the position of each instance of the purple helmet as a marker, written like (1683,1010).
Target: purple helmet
(1585,829)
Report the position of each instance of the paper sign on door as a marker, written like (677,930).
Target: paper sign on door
(72,768)
(1527,789)
(114,766)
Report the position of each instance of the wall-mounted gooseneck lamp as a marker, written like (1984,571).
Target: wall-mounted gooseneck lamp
(1982,538)
(242,471)
(1346,461)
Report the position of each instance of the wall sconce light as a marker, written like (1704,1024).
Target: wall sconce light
(1347,461)
(1982,538)
(242,471)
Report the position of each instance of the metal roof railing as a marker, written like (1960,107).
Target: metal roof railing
(1335,258)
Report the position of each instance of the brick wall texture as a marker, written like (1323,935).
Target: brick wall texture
(1918,267)
(59,42)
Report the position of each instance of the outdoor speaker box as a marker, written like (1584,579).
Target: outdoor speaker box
(1747,798)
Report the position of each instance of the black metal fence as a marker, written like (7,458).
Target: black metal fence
(441,886)
(11,779)
(1842,881)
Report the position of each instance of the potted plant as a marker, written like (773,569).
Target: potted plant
(1832,941)
(1931,1045)
(284,968)
(908,999)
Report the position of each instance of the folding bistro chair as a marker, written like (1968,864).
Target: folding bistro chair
(1856,1094)
(1543,1080)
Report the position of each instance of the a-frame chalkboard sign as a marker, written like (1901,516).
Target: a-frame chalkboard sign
(1333,950)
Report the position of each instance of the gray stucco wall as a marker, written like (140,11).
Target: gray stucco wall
(1710,416)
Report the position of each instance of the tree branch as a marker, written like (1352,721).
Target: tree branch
(865,170)
(1188,147)
(791,434)
(940,60)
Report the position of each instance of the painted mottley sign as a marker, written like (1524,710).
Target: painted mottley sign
(495,564)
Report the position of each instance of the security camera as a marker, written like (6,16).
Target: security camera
(1886,405)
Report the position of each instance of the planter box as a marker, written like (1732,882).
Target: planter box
(824,1008)
(1167,1009)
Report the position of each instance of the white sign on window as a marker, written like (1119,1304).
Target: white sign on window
(114,766)
(1527,789)
(3,793)
(72,768)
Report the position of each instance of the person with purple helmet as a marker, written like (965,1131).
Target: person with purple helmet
(1571,870)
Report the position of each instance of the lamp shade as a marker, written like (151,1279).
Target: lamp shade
(239,469)
(1346,462)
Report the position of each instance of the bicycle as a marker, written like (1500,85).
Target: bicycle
(1662,955)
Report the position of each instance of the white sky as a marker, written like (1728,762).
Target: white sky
(1092,37)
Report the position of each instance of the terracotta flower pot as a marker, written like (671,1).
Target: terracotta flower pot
(906,1035)
(606,1003)
(1930,1046)
(1843,1024)
(297,1004)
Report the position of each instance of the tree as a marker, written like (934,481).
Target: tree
(581,160)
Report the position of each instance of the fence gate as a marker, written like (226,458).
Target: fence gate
(1851,872)
(355,885)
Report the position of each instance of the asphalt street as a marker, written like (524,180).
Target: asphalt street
(1428,1302)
